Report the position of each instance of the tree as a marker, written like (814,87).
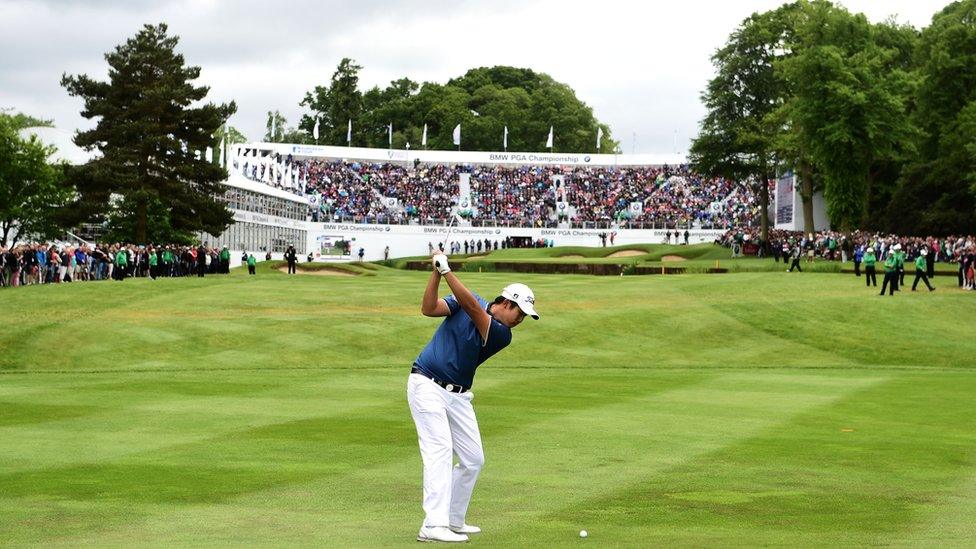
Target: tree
(335,105)
(151,139)
(936,193)
(21,120)
(737,137)
(484,101)
(32,190)
(231,136)
(276,128)
(848,104)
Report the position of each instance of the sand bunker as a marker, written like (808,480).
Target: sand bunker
(475,256)
(627,253)
(673,258)
(572,256)
(318,272)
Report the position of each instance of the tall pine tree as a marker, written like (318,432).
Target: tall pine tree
(152,135)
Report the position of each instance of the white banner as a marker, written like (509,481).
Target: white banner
(405,240)
(472,157)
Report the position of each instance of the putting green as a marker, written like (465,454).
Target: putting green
(695,410)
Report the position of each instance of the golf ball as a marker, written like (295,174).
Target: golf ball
(583,533)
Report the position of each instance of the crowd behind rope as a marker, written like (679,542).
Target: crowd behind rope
(959,250)
(530,196)
(38,263)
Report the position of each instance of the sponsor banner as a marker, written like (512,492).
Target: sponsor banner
(410,240)
(261,219)
(784,200)
(470,157)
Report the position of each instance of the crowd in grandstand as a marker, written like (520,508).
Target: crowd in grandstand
(539,196)
(25,264)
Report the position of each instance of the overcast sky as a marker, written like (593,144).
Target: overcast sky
(641,65)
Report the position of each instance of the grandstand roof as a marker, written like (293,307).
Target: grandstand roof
(470,157)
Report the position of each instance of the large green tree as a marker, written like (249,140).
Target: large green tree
(848,106)
(151,132)
(812,88)
(32,189)
(335,105)
(935,194)
(738,134)
(484,101)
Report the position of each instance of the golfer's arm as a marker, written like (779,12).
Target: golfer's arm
(431,306)
(469,303)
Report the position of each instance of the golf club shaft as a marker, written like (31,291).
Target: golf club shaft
(450,228)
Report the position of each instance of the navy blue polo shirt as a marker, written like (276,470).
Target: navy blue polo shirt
(456,350)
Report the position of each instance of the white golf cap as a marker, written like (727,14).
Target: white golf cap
(523,297)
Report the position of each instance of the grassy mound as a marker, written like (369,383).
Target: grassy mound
(280,267)
(632,259)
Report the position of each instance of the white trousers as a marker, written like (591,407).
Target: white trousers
(446,427)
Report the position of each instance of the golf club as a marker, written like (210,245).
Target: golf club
(450,228)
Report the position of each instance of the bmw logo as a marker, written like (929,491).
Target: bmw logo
(387,228)
(586,158)
(498,231)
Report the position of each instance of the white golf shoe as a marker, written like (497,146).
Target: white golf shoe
(440,533)
(465,529)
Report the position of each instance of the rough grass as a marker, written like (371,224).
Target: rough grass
(750,409)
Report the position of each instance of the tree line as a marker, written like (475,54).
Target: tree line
(879,117)
(485,101)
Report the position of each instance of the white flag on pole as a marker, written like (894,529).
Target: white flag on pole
(315,130)
(274,127)
(599,136)
(349,132)
(457,135)
(389,134)
(549,139)
(423,140)
(209,154)
(223,154)
(505,138)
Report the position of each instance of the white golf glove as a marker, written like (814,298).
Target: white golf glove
(440,263)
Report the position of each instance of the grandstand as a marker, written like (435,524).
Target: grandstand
(402,199)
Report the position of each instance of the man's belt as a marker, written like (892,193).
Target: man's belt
(454,388)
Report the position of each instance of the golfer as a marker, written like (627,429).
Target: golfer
(439,393)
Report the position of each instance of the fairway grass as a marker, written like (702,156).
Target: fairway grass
(691,410)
